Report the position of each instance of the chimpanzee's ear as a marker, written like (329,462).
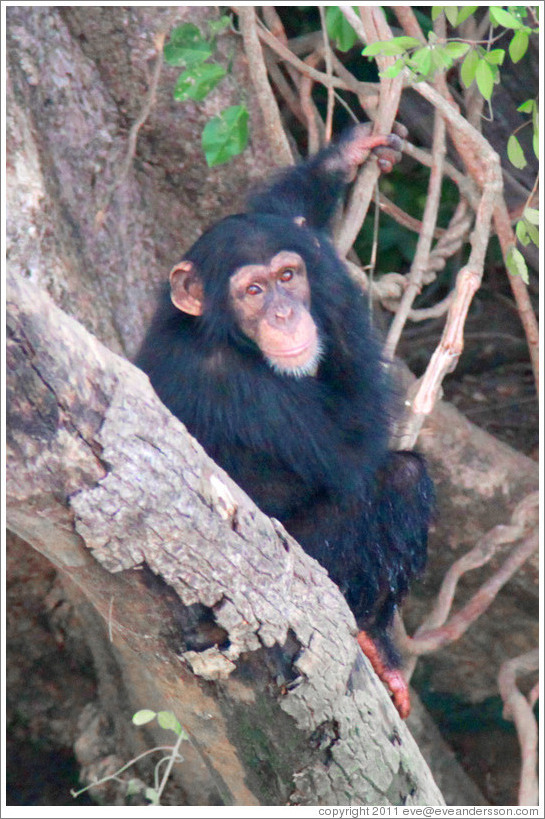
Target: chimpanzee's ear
(186,290)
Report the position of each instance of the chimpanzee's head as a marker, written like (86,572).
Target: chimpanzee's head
(257,270)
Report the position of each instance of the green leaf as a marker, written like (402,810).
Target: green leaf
(535,142)
(518,46)
(495,57)
(184,33)
(217,26)
(484,77)
(533,233)
(373,49)
(168,722)
(143,716)
(515,153)
(134,786)
(421,61)
(531,215)
(152,795)
(500,17)
(469,67)
(391,48)
(225,135)
(197,82)
(451,13)
(456,50)
(440,60)
(522,233)
(464,13)
(393,70)
(516,264)
(406,42)
(186,46)
(436,11)
(527,107)
(339,29)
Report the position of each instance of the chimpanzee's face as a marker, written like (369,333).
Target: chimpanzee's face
(271,303)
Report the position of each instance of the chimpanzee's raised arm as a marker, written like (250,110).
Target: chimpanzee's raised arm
(312,189)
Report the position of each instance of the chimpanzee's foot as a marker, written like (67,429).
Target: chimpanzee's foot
(392,677)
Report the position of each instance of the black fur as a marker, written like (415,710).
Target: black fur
(311,451)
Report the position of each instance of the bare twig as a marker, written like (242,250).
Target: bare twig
(436,311)
(518,708)
(450,241)
(428,641)
(312,116)
(465,185)
(275,24)
(342,79)
(421,259)
(409,23)
(366,92)
(329,72)
(422,313)
(284,88)
(403,218)
(284,52)
(522,519)
(477,153)
(520,291)
(370,28)
(356,23)
(474,150)
(258,73)
(273,21)
(133,133)
(449,350)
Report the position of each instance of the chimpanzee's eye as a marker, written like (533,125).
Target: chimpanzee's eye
(287,274)
(253,290)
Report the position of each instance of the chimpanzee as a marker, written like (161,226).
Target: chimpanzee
(262,346)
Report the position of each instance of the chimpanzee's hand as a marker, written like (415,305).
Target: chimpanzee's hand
(354,148)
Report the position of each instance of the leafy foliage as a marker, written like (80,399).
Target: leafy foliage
(480,65)
(225,135)
(187,47)
(516,264)
(168,721)
(339,29)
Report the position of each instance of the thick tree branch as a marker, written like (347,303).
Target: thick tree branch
(102,479)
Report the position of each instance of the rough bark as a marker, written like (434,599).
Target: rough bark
(102,480)
(77,81)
